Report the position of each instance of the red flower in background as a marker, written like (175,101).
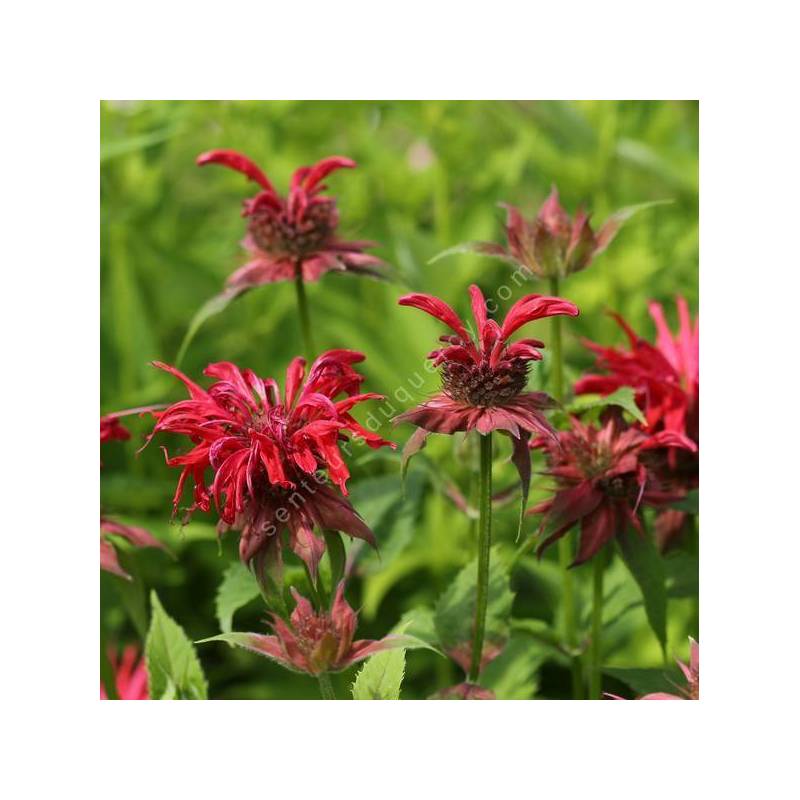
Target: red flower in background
(666,380)
(483,378)
(296,233)
(464,691)
(551,245)
(269,453)
(130,675)
(602,480)
(111,428)
(316,642)
(665,376)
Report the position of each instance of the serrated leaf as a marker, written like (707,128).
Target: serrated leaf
(623,397)
(172,664)
(647,567)
(454,616)
(382,674)
(210,308)
(238,588)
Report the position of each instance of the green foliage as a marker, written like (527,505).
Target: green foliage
(455,612)
(381,676)
(238,588)
(622,397)
(647,567)
(173,669)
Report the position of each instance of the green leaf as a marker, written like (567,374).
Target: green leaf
(514,674)
(238,588)
(381,676)
(337,555)
(647,567)
(476,248)
(173,669)
(454,615)
(210,308)
(682,571)
(644,681)
(623,397)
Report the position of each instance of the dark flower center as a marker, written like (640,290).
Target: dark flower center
(279,235)
(482,385)
(620,486)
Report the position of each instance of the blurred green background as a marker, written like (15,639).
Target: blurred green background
(430,175)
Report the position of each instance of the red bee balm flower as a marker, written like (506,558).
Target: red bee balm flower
(111,428)
(603,479)
(666,377)
(130,675)
(483,380)
(269,454)
(295,233)
(315,642)
(551,245)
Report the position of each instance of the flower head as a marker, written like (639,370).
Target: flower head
(666,380)
(271,454)
(296,233)
(484,376)
(316,641)
(602,481)
(665,376)
(551,245)
(130,675)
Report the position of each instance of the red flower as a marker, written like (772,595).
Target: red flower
(665,376)
(112,428)
(269,454)
(130,675)
(316,642)
(692,674)
(603,480)
(666,380)
(551,245)
(295,233)
(483,379)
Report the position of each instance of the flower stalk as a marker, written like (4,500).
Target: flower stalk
(484,550)
(595,674)
(564,554)
(326,687)
(302,308)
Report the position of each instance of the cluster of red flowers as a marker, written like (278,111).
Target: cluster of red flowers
(271,454)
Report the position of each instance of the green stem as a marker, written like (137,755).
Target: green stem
(564,551)
(484,549)
(317,591)
(595,674)
(302,308)
(107,670)
(326,687)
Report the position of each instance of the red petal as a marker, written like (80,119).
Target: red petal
(238,162)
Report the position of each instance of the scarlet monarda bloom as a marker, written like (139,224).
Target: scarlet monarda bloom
(551,245)
(130,675)
(315,642)
(602,480)
(271,456)
(111,428)
(464,691)
(665,376)
(484,377)
(666,380)
(296,235)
